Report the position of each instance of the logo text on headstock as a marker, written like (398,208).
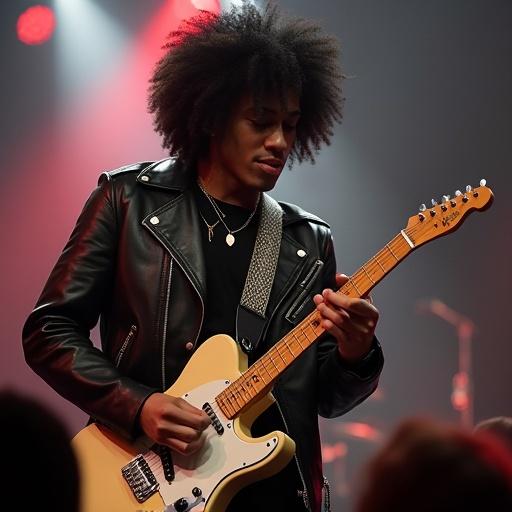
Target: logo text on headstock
(450,218)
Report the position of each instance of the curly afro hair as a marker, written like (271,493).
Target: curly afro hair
(211,60)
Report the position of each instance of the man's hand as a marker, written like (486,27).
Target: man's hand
(351,321)
(174,422)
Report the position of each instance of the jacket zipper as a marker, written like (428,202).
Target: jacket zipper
(304,493)
(166,317)
(200,298)
(283,297)
(327,499)
(306,286)
(126,342)
(173,258)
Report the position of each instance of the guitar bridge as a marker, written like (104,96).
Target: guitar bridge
(140,478)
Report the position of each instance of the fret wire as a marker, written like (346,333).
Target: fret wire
(280,355)
(269,354)
(259,378)
(259,375)
(369,276)
(354,285)
(294,334)
(378,261)
(234,393)
(390,250)
(265,359)
(312,335)
(264,366)
(287,345)
(227,405)
(246,386)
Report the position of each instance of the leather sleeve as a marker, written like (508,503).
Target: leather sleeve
(56,334)
(340,386)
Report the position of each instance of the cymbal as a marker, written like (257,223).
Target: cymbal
(332,452)
(355,430)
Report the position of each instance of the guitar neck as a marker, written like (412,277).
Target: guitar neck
(260,377)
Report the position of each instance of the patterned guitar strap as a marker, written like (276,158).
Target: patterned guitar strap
(251,314)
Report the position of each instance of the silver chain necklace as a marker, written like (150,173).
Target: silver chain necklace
(209,226)
(230,239)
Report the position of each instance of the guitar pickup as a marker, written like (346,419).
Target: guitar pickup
(217,425)
(140,478)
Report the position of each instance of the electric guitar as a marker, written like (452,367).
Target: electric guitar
(124,477)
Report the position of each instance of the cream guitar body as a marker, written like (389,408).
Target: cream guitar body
(207,480)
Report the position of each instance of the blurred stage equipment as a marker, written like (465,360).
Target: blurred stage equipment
(336,453)
(357,430)
(462,390)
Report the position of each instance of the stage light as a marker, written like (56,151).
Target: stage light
(226,4)
(36,25)
(90,47)
(207,5)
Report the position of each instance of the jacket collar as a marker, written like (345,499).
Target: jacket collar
(169,173)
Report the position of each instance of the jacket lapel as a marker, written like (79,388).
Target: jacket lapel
(176,224)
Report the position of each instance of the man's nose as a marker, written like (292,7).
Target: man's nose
(276,140)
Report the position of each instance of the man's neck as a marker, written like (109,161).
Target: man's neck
(224,187)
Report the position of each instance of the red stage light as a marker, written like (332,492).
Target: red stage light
(36,25)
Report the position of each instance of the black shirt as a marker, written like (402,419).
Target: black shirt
(226,271)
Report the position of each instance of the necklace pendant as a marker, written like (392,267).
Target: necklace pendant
(230,239)
(210,233)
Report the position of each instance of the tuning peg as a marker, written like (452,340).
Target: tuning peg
(469,188)
(422,207)
(434,202)
(446,198)
(458,193)
(483,183)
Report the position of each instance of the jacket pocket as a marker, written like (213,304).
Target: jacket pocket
(130,337)
(305,287)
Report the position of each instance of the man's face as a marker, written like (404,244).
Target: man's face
(252,150)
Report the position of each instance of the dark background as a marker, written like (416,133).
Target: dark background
(428,110)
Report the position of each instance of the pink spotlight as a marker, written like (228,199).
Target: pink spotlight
(36,25)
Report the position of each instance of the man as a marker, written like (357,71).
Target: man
(162,249)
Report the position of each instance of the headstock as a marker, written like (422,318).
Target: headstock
(441,219)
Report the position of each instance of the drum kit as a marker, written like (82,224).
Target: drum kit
(344,446)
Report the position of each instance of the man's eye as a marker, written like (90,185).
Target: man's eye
(258,123)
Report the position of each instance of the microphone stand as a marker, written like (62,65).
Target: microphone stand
(462,392)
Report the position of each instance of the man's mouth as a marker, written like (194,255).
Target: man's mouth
(270,165)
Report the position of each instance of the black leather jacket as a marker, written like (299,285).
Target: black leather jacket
(135,261)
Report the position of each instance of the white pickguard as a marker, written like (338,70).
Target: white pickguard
(220,456)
